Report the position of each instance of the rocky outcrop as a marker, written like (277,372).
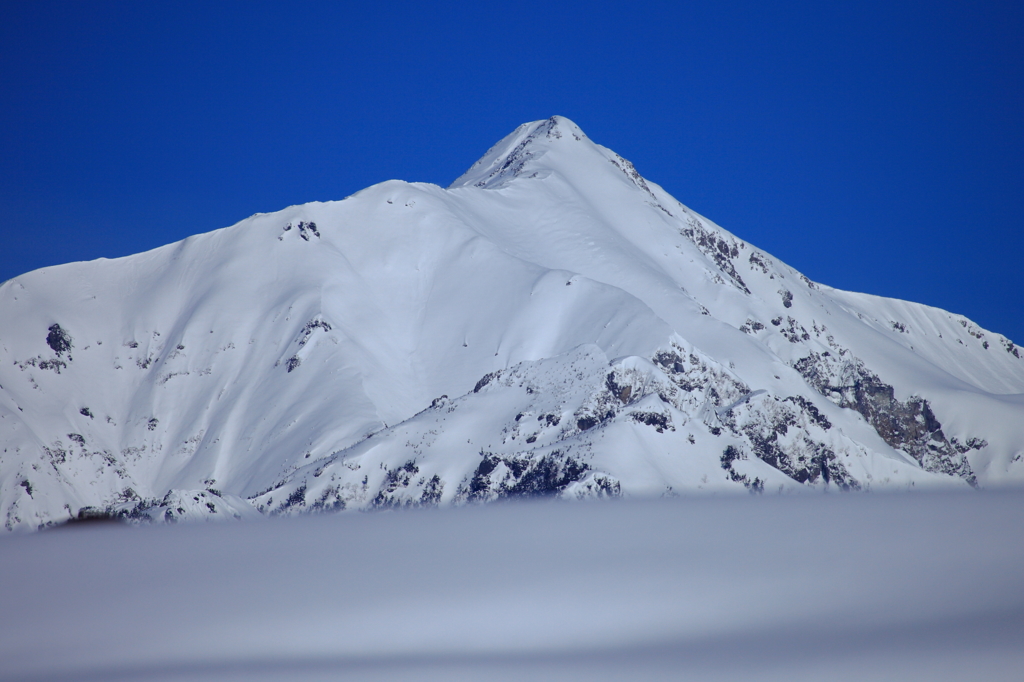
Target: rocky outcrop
(908,425)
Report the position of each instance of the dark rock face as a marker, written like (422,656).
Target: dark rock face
(751,326)
(816,416)
(309,327)
(395,479)
(621,392)
(631,172)
(715,247)
(692,375)
(730,455)
(129,507)
(432,491)
(780,433)
(306,230)
(761,262)
(807,462)
(484,380)
(58,340)
(54,364)
(909,425)
(659,421)
(792,330)
(501,476)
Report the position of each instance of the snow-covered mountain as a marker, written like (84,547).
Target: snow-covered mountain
(551,323)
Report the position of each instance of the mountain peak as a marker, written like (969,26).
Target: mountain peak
(516,154)
(565,149)
(578,333)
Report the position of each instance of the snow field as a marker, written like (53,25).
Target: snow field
(883,587)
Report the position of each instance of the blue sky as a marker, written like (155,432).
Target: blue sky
(877,147)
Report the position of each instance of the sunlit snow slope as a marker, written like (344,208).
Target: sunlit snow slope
(550,324)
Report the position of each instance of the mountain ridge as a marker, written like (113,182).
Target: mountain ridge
(240,366)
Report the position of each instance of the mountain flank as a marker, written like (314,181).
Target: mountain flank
(551,324)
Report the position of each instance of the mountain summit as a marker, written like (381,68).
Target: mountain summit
(519,154)
(552,323)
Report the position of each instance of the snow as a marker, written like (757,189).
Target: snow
(807,587)
(294,357)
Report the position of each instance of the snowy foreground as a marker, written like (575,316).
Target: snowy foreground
(925,586)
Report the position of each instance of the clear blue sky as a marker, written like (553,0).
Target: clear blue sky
(875,146)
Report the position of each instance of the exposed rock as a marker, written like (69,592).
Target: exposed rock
(715,247)
(58,340)
(502,476)
(908,425)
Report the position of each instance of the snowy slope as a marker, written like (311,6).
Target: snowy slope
(551,323)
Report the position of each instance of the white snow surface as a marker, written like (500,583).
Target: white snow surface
(811,587)
(550,324)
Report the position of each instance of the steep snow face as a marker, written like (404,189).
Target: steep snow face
(551,324)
